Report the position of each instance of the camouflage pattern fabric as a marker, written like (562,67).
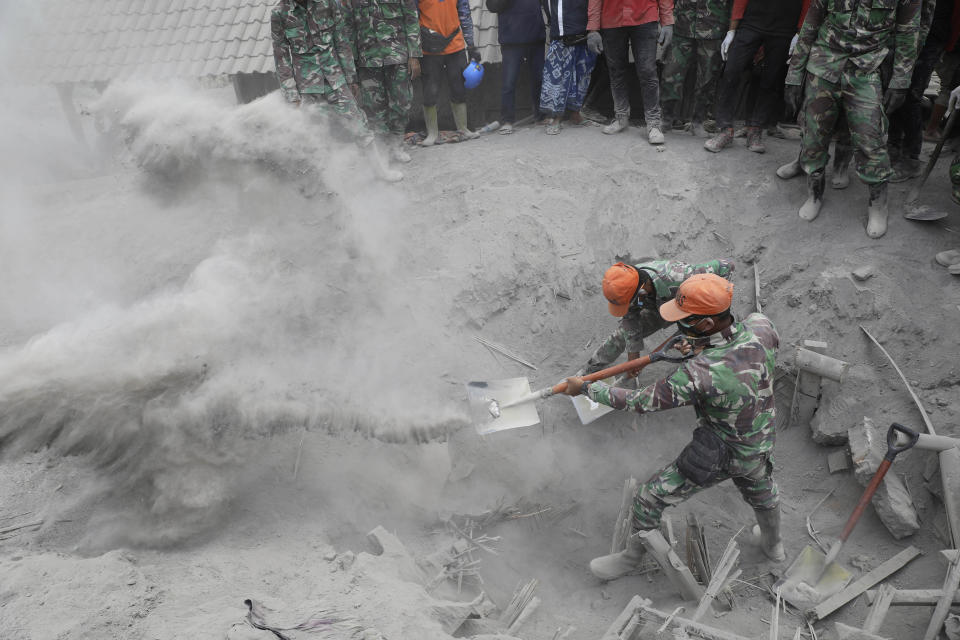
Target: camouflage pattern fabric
(668,487)
(703,55)
(729,384)
(860,97)
(702,19)
(666,275)
(852,37)
(312,48)
(387,31)
(386,94)
(955,177)
(339,108)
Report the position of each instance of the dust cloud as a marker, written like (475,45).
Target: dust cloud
(235,273)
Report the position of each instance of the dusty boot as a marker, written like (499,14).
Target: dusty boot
(790,170)
(841,166)
(755,140)
(877,210)
(619,124)
(433,129)
(932,132)
(397,151)
(768,521)
(460,118)
(381,164)
(697,130)
(718,142)
(655,135)
(617,565)
(906,169)
(811,208)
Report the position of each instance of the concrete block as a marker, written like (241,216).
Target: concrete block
(827,430)
(838,461)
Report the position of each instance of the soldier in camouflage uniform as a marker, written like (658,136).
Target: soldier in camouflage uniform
(313,52)
(388,55)
(634,293)
(729,383)
(699,28)
(841,47)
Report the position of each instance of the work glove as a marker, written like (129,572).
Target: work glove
(893,99)
(793,44)
(793,96)
(413,64)
(954,98)
(725,45)
(666,35)
(594,42)
(574,386)
(474,54)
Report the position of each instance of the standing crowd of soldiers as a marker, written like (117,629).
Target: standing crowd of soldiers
(851,71)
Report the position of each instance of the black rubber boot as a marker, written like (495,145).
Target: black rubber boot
(811,208)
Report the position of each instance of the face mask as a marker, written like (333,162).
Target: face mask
(688,328)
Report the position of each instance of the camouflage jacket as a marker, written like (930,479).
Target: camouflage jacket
(855,35)
(312,47)
(729,384)
(701,19)
(387,31)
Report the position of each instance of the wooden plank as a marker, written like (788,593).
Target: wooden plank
(866,581)
(672,565)
(623,620)
(624,525)
(950,478)
(852,633)
(697,629)
(950,584)
(906,383)
(879,609)
(914,597)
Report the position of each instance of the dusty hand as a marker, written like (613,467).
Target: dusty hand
(666,35)
(725,45)
(793,97)
(893,99)
(793,44)
(414,66)
(954,98)
(595,42)
(683,347)
(474,54)
(633,373)
(574,386)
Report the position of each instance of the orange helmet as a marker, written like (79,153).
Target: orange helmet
(620,284)
(702,294)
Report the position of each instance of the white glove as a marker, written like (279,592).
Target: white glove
(793,44)
(954,97)
(725,45)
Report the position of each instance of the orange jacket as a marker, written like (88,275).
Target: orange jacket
(445,17)
(609,14)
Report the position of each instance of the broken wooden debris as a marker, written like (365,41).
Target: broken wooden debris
(721,576)
(522,597)
(852,633)
(775,618)
(388,545)
(808,386)
(879,609)
(950,477)
(813,533)
(892,501)
(950,585)
(910,597)
(756,287)
(821,365)
(672,565)
(624,525)
(906,383)
(640,609)
(838,461)
(876,575)
(698,558)
(504,352)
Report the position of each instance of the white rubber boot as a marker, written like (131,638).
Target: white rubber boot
(877,210)
(768,529)
(811,208)
(617,565)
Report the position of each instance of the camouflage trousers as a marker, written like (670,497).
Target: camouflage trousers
(386,94)
(668,487)
(341,110)
(860,98)
(955,177)
(689,54)
(628,337)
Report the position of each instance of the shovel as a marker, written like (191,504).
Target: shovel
(508,404)
(814,577)
(923,212)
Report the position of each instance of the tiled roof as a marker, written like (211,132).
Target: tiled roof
(100,40)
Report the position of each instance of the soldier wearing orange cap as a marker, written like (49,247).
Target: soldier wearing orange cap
(729,383)
(634,292)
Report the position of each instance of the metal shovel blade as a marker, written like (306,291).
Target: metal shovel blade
(807,582)
(480,394)
(587,409)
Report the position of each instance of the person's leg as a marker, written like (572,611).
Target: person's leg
(709,63)
(909,117)
(512,57)
(615,42)
(431,69)
(353,120)
(842,153)
(821,107)
(754,478)
(535,54)
(739,56)
(581,68)
(455,63)
(682,55)
(373,97)
(769,97)
(399,98)
(552,87)
(863,103)
(643,38)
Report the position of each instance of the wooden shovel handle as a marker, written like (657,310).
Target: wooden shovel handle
(630,365)
(865,499)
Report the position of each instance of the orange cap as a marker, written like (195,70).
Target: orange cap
(703,294)
(620,284)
